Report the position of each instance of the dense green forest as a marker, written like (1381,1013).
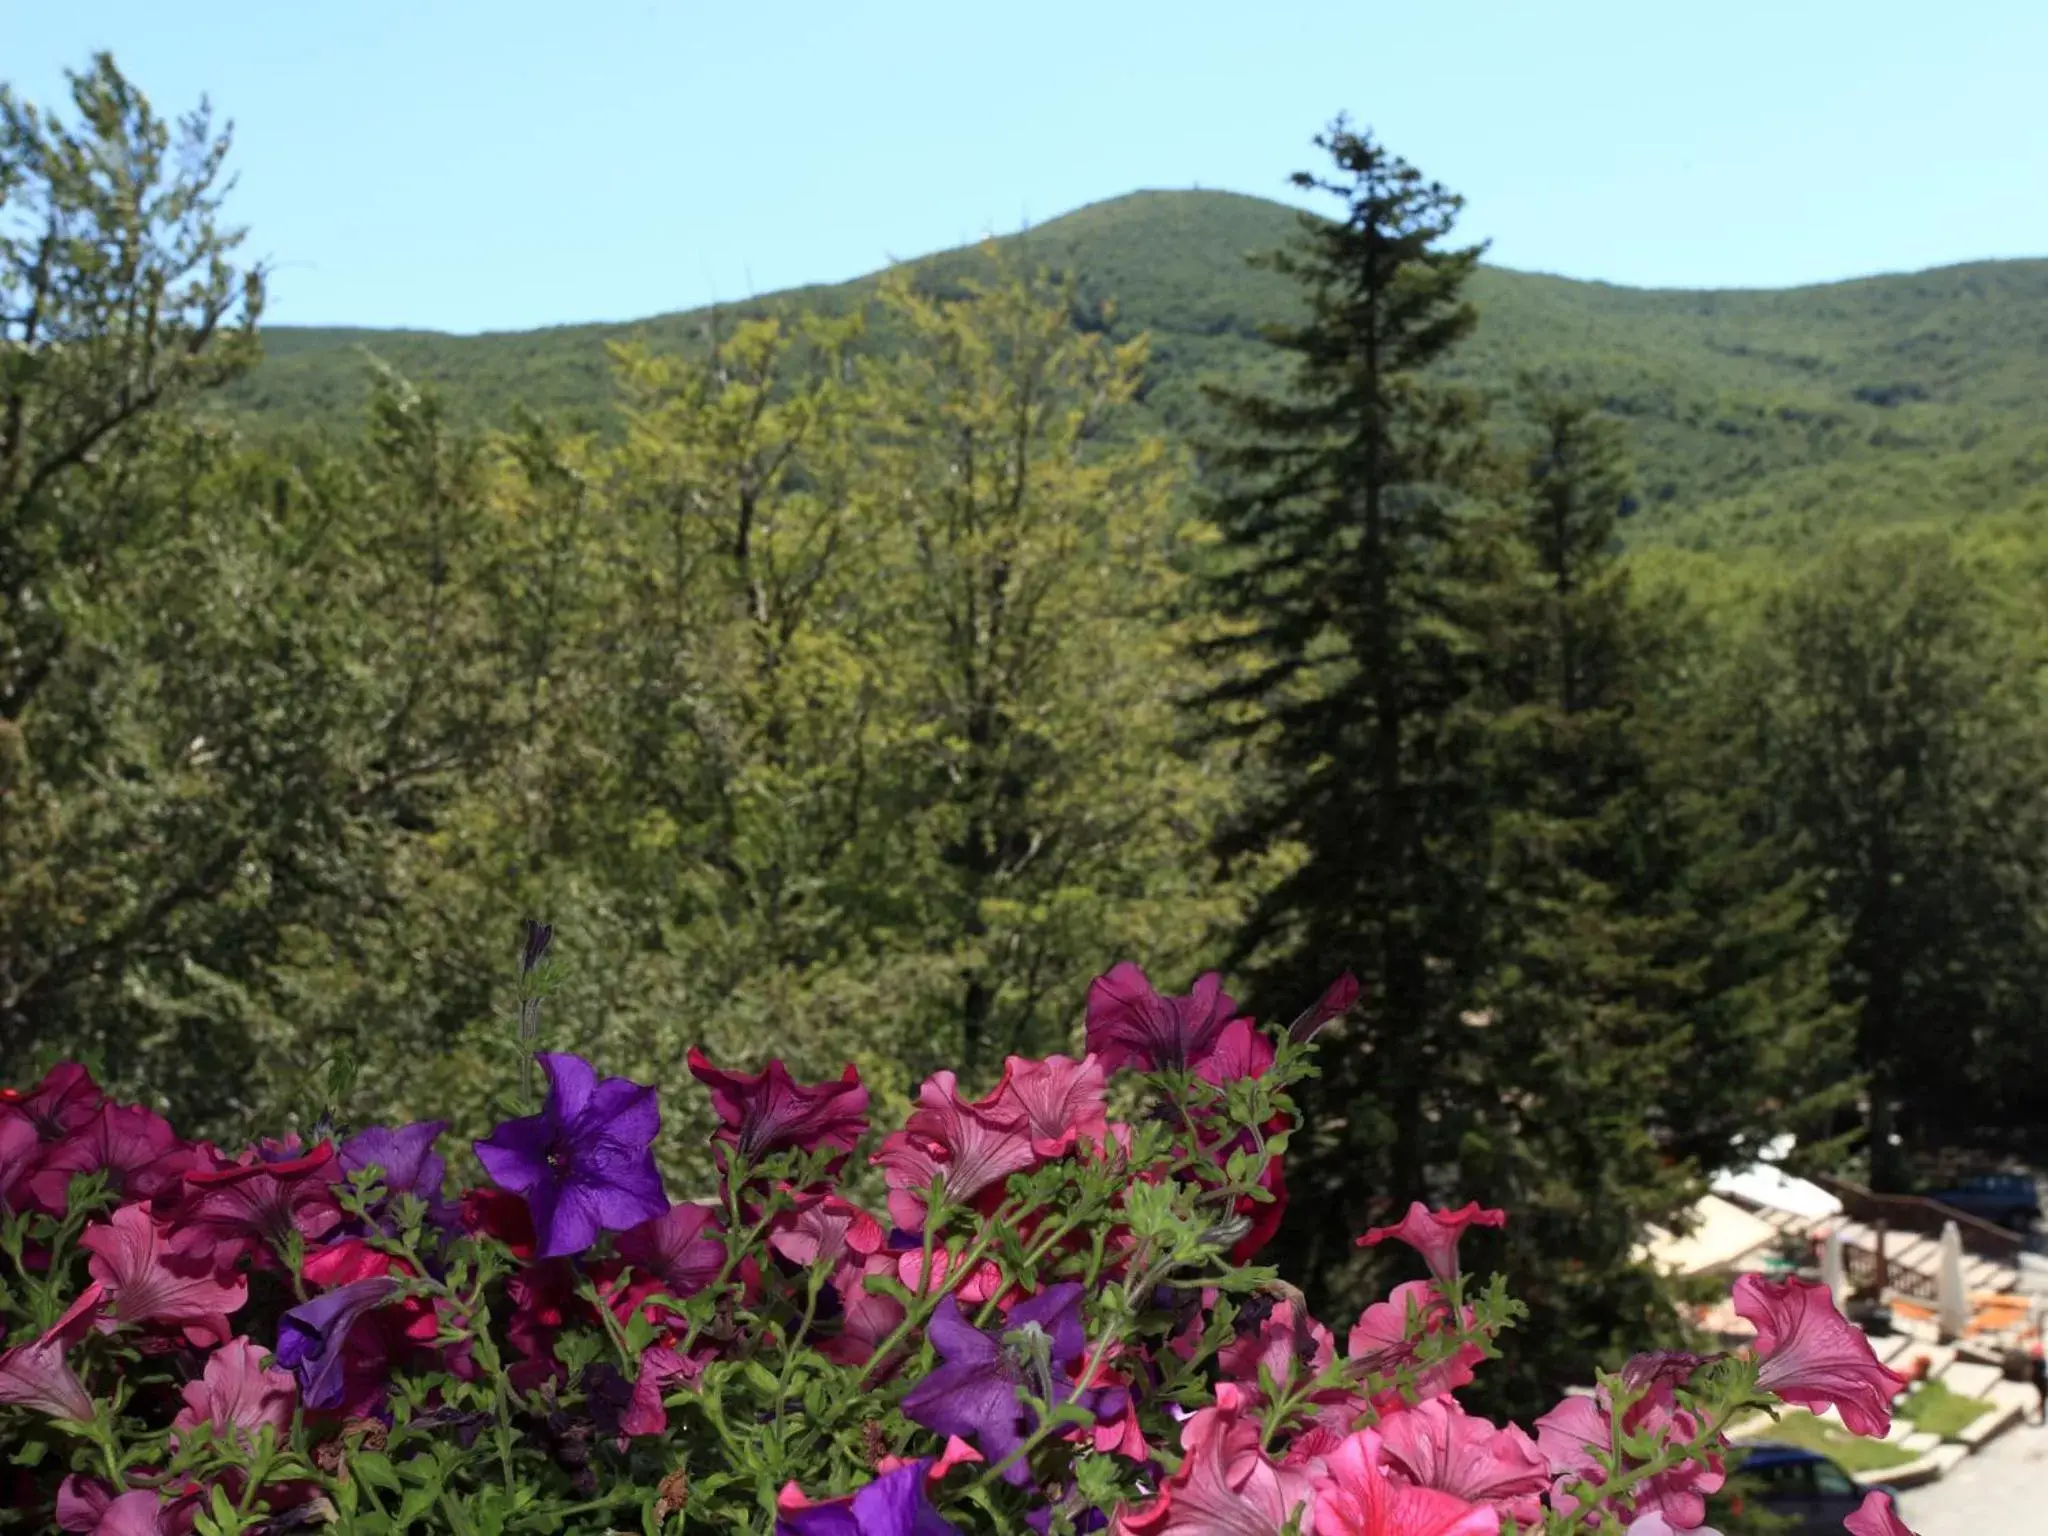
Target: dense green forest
(1754,417)
(1639,691)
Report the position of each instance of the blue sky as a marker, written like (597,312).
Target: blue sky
(472,166)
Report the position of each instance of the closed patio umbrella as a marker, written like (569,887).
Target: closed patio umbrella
(1952,1302)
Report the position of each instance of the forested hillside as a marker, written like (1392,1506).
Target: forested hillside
(1754,416)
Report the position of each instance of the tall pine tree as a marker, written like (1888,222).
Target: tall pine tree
(1644,1024)
(1341,515)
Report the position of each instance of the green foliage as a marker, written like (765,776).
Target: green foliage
(1906,748)
(820,670)
(834,682)
(1758,419)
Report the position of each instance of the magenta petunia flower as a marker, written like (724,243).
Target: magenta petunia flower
(138,1512)
(680,1248)
(1241,1051)
(1813,1356)
(80,1502)
(1876,1516)
(63,1102)
(974,1394)
(239,1393)
(257,1201)
(1435,1234)
(152,1275)
(1130,1024)
(1437,1444)
(1062,1101)
(1338,999)
(311,1336)
(894,1504)
(768,1111)
(1355,1496)
(21,1151)
(136,1148)
(968,1145)
(584,1164)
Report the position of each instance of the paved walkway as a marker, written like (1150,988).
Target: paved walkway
(2000,1491)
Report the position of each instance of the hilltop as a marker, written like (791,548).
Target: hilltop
(1756,415)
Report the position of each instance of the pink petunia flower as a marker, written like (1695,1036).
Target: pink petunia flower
(1813,1356)
(982,1280)
(867,1318)
(1130,1024)
(239,1392)
(1435,1234)
(36,1374)
(769,1111)
(968,1146)
(141,1512)
(1062,1101)
(1387,1333)
(1355,1496)
(824,1229)
(1288,1344)
(645,1414)
(1571,1433)
(958,1453)
(1437,1444)
(1876,1516)
(1226,1485)
(152,1276)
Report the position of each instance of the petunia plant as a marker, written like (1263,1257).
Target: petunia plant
(1010,1313)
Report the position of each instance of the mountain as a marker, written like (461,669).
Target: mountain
(1758,416)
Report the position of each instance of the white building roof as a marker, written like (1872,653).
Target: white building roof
(1724,1235)
(1762,1185)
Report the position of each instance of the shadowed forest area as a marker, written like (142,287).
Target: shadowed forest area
(1639,691)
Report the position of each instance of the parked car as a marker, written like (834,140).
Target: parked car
(1804,1487)
(2009,1199)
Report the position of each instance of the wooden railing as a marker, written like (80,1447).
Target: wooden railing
(1867,1272)
(1917,1213)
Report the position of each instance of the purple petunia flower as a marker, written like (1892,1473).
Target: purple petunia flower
(584,1162)
(894,1504)
(974,1394)
(311,1335)
(410,1163)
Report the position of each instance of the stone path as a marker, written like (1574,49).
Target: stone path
(2000,1491)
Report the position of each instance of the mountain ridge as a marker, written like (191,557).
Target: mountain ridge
(1754,413)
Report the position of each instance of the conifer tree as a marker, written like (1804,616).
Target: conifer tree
(1353,666)
(1648,1019)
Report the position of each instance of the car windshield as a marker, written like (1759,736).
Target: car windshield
(1830,1480)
